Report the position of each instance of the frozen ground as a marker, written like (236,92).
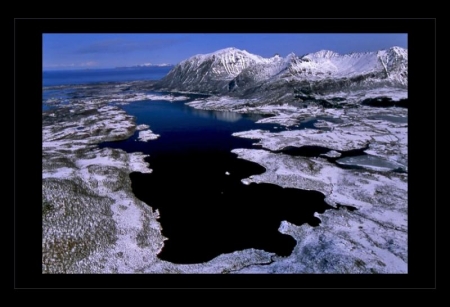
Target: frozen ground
(356,129)
(147,135)
(372,238)
(92,222)
(121,100)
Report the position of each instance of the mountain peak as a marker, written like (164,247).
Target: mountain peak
(228,49)
(325,54)
(399,51)
(221,52)
(206,71)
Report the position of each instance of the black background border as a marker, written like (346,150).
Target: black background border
(26,211)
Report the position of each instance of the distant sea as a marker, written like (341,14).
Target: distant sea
(86,76)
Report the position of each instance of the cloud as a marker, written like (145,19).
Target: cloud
(122,45)
(89,64)
(71,65)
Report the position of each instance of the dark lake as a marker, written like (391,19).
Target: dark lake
(205,209)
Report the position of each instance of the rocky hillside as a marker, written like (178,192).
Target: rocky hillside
(237,73)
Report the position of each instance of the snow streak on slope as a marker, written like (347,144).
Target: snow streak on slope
(209,72)
(395,63)
(228,62)
(392,62)
(265,70)
(327,62)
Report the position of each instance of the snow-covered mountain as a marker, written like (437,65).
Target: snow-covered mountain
(390,64)
(239,73)
(210,73)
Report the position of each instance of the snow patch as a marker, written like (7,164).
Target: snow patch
(142,127)
(147,135)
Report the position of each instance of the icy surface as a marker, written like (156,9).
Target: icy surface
(147,135)
(332,154)
(355,130)
(125,99)
(218,103)
(336,140)
(370,162)
(142,127)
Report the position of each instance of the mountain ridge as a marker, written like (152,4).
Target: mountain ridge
(238,73)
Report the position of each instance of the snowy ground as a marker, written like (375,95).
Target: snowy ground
(355,129)
(372,238)
(147,135)
(140,96)
(92,222)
